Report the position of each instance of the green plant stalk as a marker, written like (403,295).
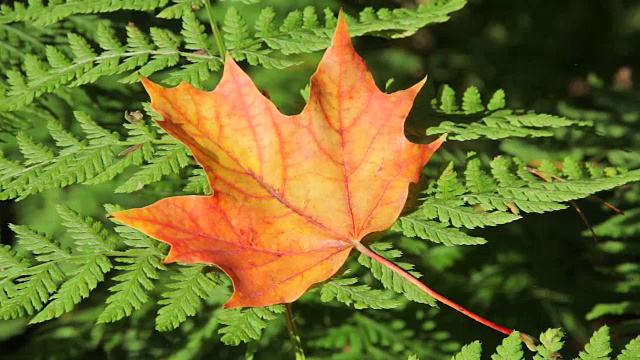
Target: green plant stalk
(529,340)
(293,333)
(216,31)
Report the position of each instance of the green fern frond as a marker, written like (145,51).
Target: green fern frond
(18,40)
(598,347)
(145,53)
(179,8)
(620,308)
(345,291)
(131,290)
(497,100)
(88,269)
(33,152)
(198,183)
(362,336)
(631,351)
(471,101)
(139,266)
(94,160)
(13,263)
(30,291)
(415,225)
(42,246)
(494,122)
(169,159)
(390,279)
(550,343)
(192,284)
(81,281)
(42,14)
(469,352)
(510,349)
(496,197)
(189,56)
(244,325)
(90,235)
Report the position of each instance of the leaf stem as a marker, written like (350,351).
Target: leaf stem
(216,32)
(293,333)
(527,339)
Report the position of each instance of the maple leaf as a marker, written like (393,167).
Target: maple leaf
(292,194)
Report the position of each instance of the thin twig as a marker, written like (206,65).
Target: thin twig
(293,333)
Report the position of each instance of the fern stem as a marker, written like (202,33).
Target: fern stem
(216,31)
(293,333)
(527,339)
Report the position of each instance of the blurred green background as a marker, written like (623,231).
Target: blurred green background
(575,58)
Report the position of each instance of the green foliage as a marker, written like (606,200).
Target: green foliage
(510,349)
(140,266)
(497,197)
(243,325)
(345,291)
(597,348)
(183,300)
(190,55)
(495,122)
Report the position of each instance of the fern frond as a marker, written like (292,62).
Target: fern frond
(88,269)
(489,199)
(90,235)
(192,284)
(18,40)
(345,291)
(198,183)
(390,279)
(179,8)
(146,53)
(26,289)
(189,56)
(631,351)
(494,122)
(415,225)
(94,160)
(42,14)
(471,101)
(510,349)
(11,262)
(42,246)
(469,352)
(620,308)
(33,152)
(139,266)
(598,347)
(550,343)
(31,291)
(168,160)
(81,281)
(243,325)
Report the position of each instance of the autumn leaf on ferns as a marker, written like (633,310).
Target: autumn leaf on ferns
(292,194)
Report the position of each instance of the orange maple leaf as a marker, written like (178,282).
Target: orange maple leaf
(292,194)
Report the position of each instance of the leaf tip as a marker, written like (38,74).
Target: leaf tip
(435,145)
(341,36)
